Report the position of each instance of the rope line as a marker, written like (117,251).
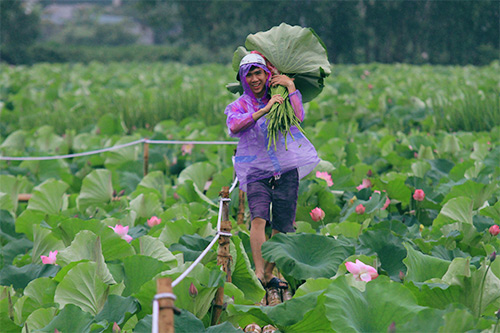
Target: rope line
(98,151)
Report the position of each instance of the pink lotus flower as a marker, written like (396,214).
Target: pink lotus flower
(360,209)
(419,195)
(51,259)
(122,231)
(365,184)
(361,271)
(116,328)
(326,176)
(187,149)
(154,221)
(317,214)
(494,230)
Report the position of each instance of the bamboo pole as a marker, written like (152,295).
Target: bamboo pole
(146,158)
(241,208)
(166,313)
(223,255)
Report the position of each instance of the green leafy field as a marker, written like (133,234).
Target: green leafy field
(401,127)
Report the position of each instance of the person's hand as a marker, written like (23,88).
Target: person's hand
(274,99)
(283,80)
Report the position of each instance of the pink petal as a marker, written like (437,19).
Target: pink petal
(128,238)
(352,268)
(365,277)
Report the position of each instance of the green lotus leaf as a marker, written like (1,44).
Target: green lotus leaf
(173,231)
(388,247)
(113,246)
(9,190)
(109,124)
(26,220)
(154,248)
(421,267)
(47,141)
(118,309)
(479,193)
(199,173)
(293,50)
(44,241)
(146,205)
(396,188)
(312,285)
(140,269)
(84,287)
(455,210)
(49,197)
(15,142)
(304,256)
(19,277)
(86,246)
(493,212)
(155,180)
(40,318)
(192,246)
(96,191)
(41,291)
(374,310)
(120,156)
(70,319)
(300,314)
(242,274)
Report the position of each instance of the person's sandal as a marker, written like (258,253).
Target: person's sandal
(277,283)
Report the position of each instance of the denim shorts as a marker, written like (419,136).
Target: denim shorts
(276,196)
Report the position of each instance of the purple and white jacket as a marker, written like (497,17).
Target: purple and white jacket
(253,161)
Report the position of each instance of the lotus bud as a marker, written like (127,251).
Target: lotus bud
(493,256)
(369,173)
(392,328)
(494,230)
(360,209)
(401,275)
(116,328)
(122,192)
(497,314)
(193,292)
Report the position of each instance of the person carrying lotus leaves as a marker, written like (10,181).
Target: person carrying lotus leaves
(270,177)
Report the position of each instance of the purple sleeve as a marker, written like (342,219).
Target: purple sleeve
(238,120)
(296,101)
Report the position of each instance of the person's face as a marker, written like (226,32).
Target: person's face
(256,79)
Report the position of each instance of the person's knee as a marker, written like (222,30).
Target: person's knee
(258,223)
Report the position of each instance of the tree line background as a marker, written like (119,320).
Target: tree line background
(354,31)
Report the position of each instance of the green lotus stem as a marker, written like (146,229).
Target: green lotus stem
(482,291)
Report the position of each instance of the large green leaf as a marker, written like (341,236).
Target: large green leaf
(300,314)
(9,190)
(140,269)
(455,210)
(44,241)
(243,276)
(86,246)
(155,180)
(374,310)
(146,205)
(49,197)
(70,319)
(40,318)
(118,309)
(479,193)
(154,248)
(84,287)
(96,191)
(422,267)
(493,212)
(19,277)
(293,50)
(306,256)
(113,246)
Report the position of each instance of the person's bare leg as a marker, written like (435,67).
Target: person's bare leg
(269,266)
(257,238)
